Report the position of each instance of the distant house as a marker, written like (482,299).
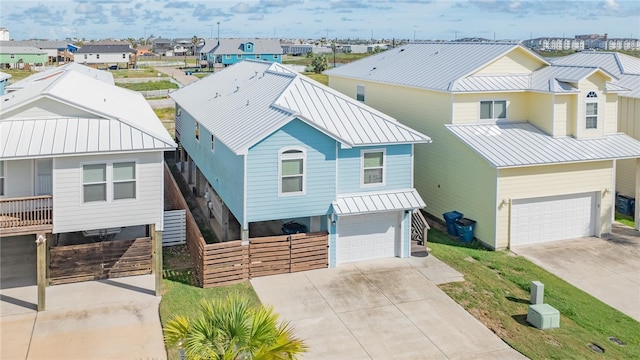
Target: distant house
(296,49)
(627,69)
(57,51)
(231,51)
(143,50)
(4,80)
(81,161)
(162,46)
(526,148)
(273,146)
(106,54)
(17,56)
(555,44)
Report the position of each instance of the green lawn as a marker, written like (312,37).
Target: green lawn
(149,85)
(17,74)
(496,291)
(624,219)
(321,78)
(341,58)
(168,119)
(136,73)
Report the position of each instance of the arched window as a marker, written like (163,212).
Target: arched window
(591,110)
(292,171)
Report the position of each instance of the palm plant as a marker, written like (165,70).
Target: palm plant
(232,329)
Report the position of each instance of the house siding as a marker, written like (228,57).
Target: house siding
(222,168)
(19,178)
(397,169)
(263,201)
(562,114)
(71,214)
(46,108)
(104,58)
(626,177)
(628,115)
(597,83)
(466,107)
(541,111)
(515,62)
(552,180)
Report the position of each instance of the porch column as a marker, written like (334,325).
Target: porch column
(189,170)
(637,212)
(156,257)
(244,235)
(198,182)
(176,154)
(225,223)
(181,160)
(41,268)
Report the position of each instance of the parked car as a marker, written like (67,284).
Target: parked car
(293,227)
(113,67)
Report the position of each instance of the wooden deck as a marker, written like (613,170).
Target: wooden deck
(26,215)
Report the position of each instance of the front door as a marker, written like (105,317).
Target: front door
(44,176)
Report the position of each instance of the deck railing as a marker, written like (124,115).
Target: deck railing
(26,211)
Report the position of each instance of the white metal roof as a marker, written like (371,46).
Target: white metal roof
(613,62)
(4,76)
(101,75)
(429,65)
(21,50)
(406,199)
(115,119)
(246,102)
(522,144)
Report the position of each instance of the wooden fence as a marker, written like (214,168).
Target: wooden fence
(95,261)
(232,262)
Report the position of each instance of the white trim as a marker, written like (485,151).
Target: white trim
(493,117)
(109,192)
(592,100)
(301,154)
(384,166)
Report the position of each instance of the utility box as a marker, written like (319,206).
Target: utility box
(537,293)
(543,316)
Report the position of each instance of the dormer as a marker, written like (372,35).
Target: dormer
(596,108)
(247,47)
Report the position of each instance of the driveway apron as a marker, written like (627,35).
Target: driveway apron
(381,309)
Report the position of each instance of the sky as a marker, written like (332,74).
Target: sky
(303,19)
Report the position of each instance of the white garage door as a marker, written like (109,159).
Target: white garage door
(367,237)
(552,218)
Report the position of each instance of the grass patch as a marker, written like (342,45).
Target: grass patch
(149,85)
(200,75)
(341,58)
(496,292)
(136,73)
(168,119)
(321,78)
(625,219)
(17,74)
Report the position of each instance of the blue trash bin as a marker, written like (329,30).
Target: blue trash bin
(625,205)
(465,228)
(450,219)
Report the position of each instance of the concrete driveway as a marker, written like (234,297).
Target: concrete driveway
(108,319)
(382,309)
(607,268)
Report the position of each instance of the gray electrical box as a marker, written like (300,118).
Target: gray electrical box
(537,292)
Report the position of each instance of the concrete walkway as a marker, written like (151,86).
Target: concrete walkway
(607,268)
(107,319)
(381,309)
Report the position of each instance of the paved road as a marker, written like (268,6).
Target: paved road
(381,309)
(607,268)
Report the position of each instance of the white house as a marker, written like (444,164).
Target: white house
(81,162)
(105,54)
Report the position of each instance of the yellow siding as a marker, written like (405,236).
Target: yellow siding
(626,177)
(460,180)
(518,61)
(541,111)
(629,116)
(611,114)
(561,112)
(597,83)
(466,108)
(550,180)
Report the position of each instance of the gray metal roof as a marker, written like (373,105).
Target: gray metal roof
(427,65)
(21,50)
(246,102)
(363,203)
(506,145)
(631,82)
(40,44)
(104,76)
(103,49)
(613,62)
(233,46)
(114,119)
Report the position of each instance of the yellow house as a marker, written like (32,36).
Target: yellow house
(525,148)
(627,69)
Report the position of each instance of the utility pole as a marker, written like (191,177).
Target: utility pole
(218,32)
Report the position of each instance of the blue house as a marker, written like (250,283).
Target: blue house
(270,145)
(4,81)
(230,51)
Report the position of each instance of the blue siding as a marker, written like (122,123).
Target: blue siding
(263,202)
(397,169)
(223,169)
(3,84)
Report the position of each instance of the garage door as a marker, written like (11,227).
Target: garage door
(552,218)
(367,237)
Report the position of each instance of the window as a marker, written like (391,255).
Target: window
(1,177)
(13,56)
(197,131)
(179,111)
(85,56)
(213,143)
(239,56)
(228,56)
(373,167)
(257,56)
(97,56)
(360,93)
(591,110)
(292,172)
(94,182)
(124,180)
(275,56)
(123,56)
(493,109)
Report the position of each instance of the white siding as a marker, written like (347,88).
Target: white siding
(46,108)
(71,214)
(104,58)
(18,178)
